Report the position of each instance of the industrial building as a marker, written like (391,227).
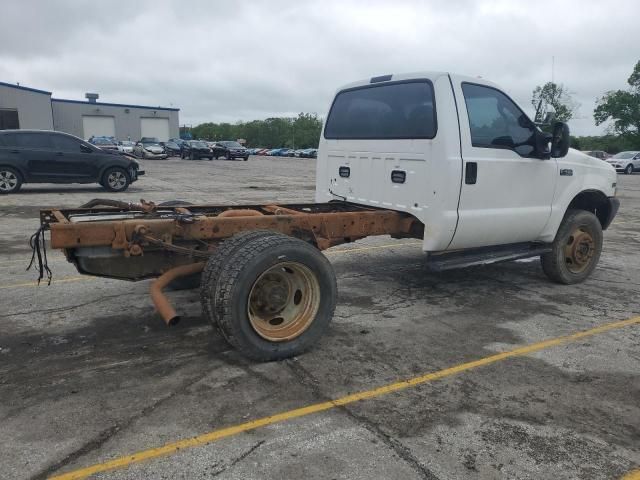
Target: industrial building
(29,108)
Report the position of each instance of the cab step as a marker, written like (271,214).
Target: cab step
(485,255)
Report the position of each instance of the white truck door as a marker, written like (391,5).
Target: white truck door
(395,144)
(506,190)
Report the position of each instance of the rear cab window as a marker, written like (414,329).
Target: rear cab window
(398,110)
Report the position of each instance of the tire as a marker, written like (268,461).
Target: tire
(274,276)
(575,250)
(228,156)
(191,156)
(10,180)
(629,169)
(246,158)
(216,157)
(218,260)
(115,179)
(210,158)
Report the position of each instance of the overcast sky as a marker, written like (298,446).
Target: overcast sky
(230,61)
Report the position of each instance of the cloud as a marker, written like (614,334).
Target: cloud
(230,61)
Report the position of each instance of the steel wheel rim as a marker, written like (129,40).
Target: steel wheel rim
(8,180)
(283,301)
(116,180)
(579,250)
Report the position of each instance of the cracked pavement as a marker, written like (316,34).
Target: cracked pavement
(88,371)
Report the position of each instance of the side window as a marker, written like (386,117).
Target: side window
(32,140)
(496,122)
(62,143)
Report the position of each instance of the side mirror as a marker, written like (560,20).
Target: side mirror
(560,140)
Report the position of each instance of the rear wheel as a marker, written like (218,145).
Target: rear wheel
(10,180)
(115,179)
(629,169)
(575,250)
(272,298)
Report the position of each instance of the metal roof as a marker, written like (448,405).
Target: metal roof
(20,87)
(84,102)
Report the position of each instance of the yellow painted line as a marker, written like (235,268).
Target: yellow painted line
(43,282)
(632,475)
(215,435)
(375,247)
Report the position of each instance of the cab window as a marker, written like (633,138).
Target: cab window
(402,110)
(496,121)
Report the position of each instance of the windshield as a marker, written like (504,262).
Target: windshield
(102,141)
(624,155)
(199,144)
(231,144)
(127,144)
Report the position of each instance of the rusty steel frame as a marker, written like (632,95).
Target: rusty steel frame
(325,225)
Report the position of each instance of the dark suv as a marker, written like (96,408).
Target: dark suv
(230,150)
(42,156)
(195,150)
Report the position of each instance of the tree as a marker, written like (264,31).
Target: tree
(623,107)
(553,95)
(300,132)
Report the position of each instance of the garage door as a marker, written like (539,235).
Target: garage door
(98,126)
(155,127)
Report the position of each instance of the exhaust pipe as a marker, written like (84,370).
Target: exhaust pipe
(160,300)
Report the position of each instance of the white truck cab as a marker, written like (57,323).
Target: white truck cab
(461,156)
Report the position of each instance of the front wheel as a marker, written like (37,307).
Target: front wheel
(246,158)
(115,179)
(272,298)
(228,157)
(629,169)
(575,250)
(10,180)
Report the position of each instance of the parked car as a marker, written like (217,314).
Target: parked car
(149,148)
(274,152)
(172,148)
(195,150)
(308,153)
(105,143)
(230,150)
(627,162)
(42,156)
(601,154)
(126,146)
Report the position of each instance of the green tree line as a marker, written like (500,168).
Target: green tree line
(302,131)
(621,108)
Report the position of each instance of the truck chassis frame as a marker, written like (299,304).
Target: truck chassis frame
(126,241)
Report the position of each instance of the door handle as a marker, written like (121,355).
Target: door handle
(471,173)
(14,151)
(59,154)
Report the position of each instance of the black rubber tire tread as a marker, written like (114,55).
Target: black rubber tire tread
(216,263)
(18,185)
(236,279)
(628,169)
(553,263)
(105,184)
